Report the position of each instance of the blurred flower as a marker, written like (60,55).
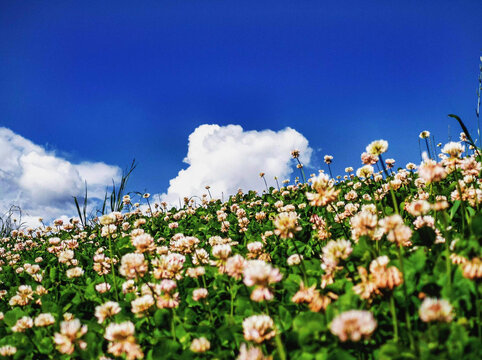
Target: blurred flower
(122,341)
(107,310)
(433,309)
(70,333)
(324,193)
(377,147)
(453,149)
(286,224)
(251,352)
(353,325)
(8,350)
(424,134)
(133,265)
(44,319)
(258,328)
(472,269)
(200,345)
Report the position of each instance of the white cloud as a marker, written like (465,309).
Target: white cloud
(228,158)
(41,183)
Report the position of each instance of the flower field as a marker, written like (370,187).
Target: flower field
(381,263)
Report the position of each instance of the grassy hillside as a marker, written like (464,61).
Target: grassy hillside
(375,265)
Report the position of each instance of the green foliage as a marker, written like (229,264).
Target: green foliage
(439,259)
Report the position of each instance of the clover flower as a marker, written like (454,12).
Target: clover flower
(453,149)
(22,324)
(235,266)
(377,147)
(200,345)
(261,274)
(365,171)
(8,350)
(133,265)
(70,333)
(431,171)
(324,193)
(122,341)
(433,309)
(353,325)
(44,319)
(106,310)
(258,328)
(251,352)
(363,224)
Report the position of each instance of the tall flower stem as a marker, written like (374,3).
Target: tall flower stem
(113,268)
(303,269)
(329,169)
(448,265)
(394,318)
(383,165)
(173,326)
(279,343)
(300,166)
(405,294)
(265,184)
(477,307)
(341,223)
(428,149)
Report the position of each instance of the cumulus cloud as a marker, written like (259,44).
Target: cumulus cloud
(228,158)
(41,183)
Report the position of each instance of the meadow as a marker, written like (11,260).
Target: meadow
(381,263)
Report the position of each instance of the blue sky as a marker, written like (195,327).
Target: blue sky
(109,81)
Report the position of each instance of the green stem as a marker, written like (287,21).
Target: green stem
(394,318)
(173,326)
(341,223)
(383,165)
(302,171)
(279,343)
(303,270)
(405,294)
(232,299)
(428,149)
(477,307)
(394,199)
(448,265)
(113,268)
(462,203)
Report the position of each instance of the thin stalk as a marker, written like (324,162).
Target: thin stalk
(113,268)
(173,325)
(428,149)
(462,203)
(448,265)
(301,170)
(341,223)
(477,308)
(394,318)
(206,302)
(383,165)
(329,169)
(394,199)
(405,294)
(303,269)
(279,343)
(265,184)
(150,208)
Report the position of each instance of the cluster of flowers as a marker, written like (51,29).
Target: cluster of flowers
(150,273)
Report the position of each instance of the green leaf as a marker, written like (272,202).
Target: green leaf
(13,315)
(476,225)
